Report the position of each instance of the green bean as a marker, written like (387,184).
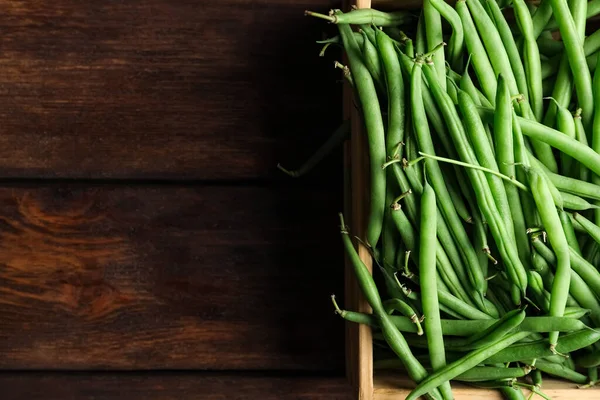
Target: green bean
(571,185)
(457,200)
(392,335)
(375,134)
(578,288)
(541,17)
(433,34)
(373,63)
(563,89)
(428,283)
(407,233)
(531,55)
(536,284)
(560,371)
(572,147)
(481,245)
(580,135)
(364,16)
(460,307)
(497,384)
(451,327)
(481,63)
(436,178)
(536,377)
(464,364)
(485,157)
(593,9)
(493,43)
(576,313)
(512,393)
(576,203)
(502,232)
(452,93)
(511,47)
(540,348)
(593,374)
(521,156)
(506,164)
(338,136)
(456,42)
(497,331)
(395,91)
(576,57)
(478,374)
(402,307)
(566,125)
(368,32)
(551,221)
(410,48)
(591,228)
(567,226)
(596,132)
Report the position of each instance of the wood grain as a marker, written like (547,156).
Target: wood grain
(169,89)
(169,277)
(161,386)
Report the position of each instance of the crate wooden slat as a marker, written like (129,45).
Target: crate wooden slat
(388,385)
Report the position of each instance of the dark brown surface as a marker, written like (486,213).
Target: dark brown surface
(180,386)
(230,273)
(168,277)
(176,89)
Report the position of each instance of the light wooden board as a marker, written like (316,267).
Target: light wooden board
(393,386)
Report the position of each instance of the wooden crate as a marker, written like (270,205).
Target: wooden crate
(359,350)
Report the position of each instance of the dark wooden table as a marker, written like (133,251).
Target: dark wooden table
(149,248)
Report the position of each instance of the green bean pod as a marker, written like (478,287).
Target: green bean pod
(560,371)
(512,393)
(570,146)
(531,55)
(462,365)
(540,348)
(580,135)
(375,134)
(392,335)
(497,331)
(395,91)
(364,16)
(503,134)
(576,57)
(456,42)
(435,176)
(566,125)
(428,283)
(550,219)
(508,40)
(481,63)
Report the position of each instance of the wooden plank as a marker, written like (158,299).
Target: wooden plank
(169,277)
(180,386)
(173,89)
(394,385)
(359,341)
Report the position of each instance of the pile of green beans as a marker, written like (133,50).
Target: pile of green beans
(483,217)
